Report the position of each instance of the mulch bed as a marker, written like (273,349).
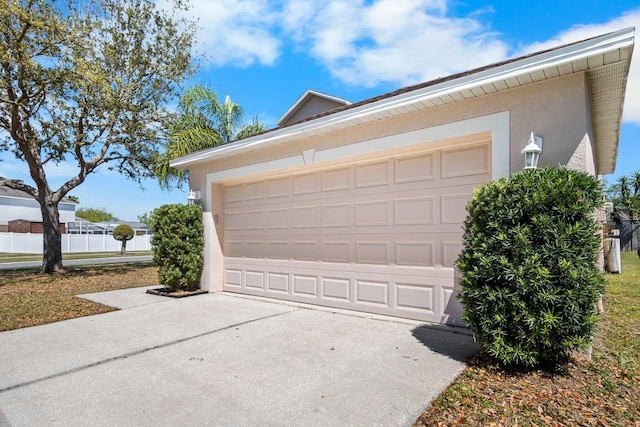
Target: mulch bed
(166,292)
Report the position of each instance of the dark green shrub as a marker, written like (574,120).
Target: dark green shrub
(178,244)
(123,233)
(529,279)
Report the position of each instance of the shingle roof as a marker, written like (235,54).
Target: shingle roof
(19,194)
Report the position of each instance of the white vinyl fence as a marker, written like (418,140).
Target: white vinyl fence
(30,243)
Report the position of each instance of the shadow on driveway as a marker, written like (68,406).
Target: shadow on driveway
(454,342)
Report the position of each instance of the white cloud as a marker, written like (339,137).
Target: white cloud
(235,32)
(366,43)
(580,32)
(399,41)
(360,43)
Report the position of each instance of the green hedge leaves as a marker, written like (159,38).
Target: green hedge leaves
(529,276)
(178,245)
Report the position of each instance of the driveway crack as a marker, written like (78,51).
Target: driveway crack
(137,352)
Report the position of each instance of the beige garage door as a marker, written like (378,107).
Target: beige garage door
(378,236)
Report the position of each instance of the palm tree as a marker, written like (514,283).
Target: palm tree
(202,122)
(635,199)
(623,181)
(635,183)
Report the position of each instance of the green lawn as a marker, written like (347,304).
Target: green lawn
(28,298)
(604,391)
(6,257)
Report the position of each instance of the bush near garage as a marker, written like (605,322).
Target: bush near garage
(529,276)
(178,244)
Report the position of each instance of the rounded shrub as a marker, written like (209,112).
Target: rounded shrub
(529,276)
(123,233)
(178,244)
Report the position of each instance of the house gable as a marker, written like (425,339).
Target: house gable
(310,104)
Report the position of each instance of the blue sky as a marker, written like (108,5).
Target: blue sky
(266,53)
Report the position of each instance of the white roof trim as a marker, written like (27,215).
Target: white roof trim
(392,105)
(31,198)
(305,97)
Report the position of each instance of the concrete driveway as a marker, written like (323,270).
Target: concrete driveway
(223,360)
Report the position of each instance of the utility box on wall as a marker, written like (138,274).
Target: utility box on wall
(25,226)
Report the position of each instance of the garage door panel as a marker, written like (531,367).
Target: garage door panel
(379,236)
(254,279)
(337,251)
(305,285)
(465,162)
(278,218)
(233,277)
(305,250)
(336,288)
(305,184)
(414,210)
(372,252)
(416,253)
(278,282)
(234,194)
(372,175)
(336,215)
(453,208)
(369,292)
(336,179)
(277,188)
(305,216)
(372,213)
(412,297)
(450,251)
(414,168)
(254,191)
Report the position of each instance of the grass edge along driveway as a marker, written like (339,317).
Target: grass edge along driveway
(604,391)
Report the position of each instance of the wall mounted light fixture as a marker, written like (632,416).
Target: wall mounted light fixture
(531,152)
(193,197)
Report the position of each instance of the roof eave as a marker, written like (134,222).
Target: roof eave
(454,90)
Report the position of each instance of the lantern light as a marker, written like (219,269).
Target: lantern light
(531,152)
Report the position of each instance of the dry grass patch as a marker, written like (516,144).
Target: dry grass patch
(604,391)
(28,298)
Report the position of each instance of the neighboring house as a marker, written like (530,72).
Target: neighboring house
(629,230)
(36,227)
(361,207)
(139,227)
(18,205)
(86,227)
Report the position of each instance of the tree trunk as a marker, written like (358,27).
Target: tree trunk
(123,249)
(52,252)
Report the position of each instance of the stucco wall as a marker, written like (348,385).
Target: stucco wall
(558,110)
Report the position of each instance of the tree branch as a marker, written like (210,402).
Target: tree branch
(17,184)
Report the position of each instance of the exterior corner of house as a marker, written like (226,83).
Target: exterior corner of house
(212,272)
